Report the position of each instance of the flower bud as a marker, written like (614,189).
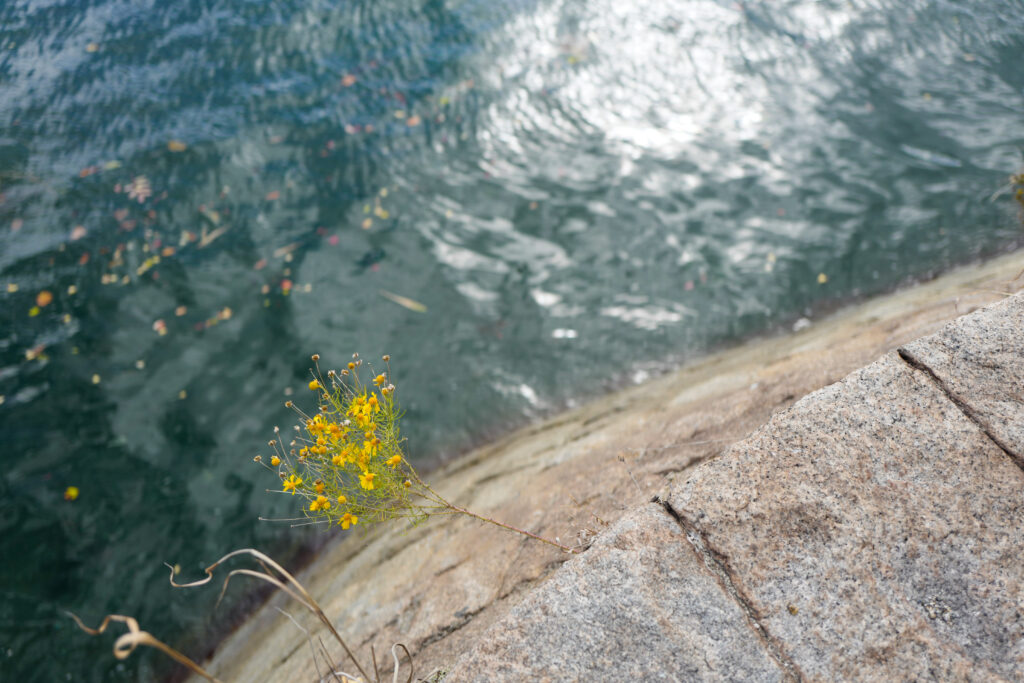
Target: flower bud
(316,357)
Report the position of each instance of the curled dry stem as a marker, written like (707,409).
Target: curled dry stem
(299,594)
(126,644)
(394,678)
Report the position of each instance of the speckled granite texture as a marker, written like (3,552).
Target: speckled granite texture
(872,531)
(869,531)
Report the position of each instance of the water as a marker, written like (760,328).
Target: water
(580,193)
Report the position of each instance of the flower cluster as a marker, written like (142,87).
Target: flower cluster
(346,459)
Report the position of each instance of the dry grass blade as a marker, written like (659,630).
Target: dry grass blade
(394,678)
(299,594)
(126,644)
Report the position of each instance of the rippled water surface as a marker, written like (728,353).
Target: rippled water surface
(522,202)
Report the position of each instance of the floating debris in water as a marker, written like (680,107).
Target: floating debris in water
(411,304)
(139,189)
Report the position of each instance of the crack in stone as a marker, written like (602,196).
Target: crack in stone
(716,564)
(968,412)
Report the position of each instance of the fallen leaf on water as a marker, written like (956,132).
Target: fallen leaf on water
(177,146)
(411,304)
(112,165)
(260,265)
(16,224)
(367,223)
(348,80)
(33,312)
(225,313)
(822,278)
(140,364)
(160,327)
(206,238)
(88,171)
(333,240)
(120,215)
(44,298)
(95,379)
(78,232)
(400,114)
(210,215)
(92,47)
(83,259)
(273,195)
(167,251)
(182,394)
(180,311)
(413,121)
(72,290)
(71,493)
(286,249)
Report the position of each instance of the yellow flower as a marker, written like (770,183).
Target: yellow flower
(348,519)
(275,461)
(314,385)
(338,460)
(379,379)
(370,447)
(291,483)
(318,486)
(394,460)
(321,503)
(342,499)
(366,480)
(372,402)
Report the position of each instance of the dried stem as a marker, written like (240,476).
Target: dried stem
(127,643)
(300,594)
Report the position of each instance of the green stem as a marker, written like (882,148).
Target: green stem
(434,495)
(524,532)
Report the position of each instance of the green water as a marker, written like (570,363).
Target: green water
(573,195)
